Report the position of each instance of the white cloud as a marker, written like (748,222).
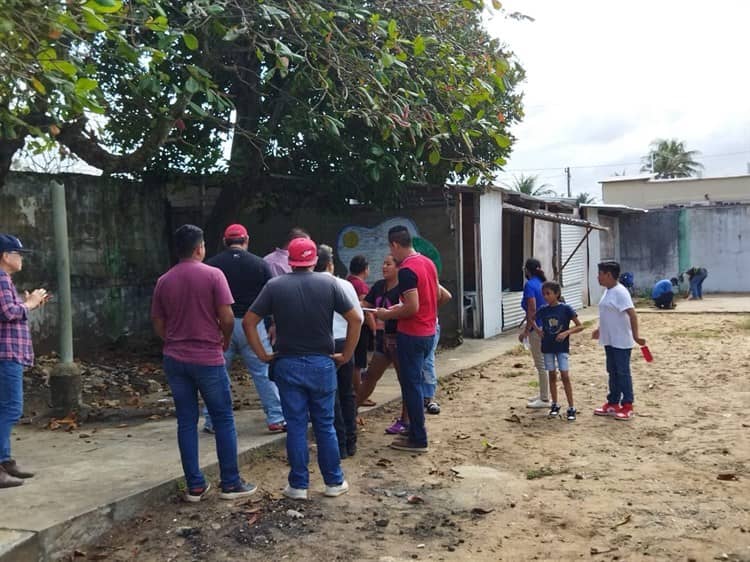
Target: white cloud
(605,79)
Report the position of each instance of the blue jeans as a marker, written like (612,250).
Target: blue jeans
(11,403)
(429,374)
(186,380)
(266,389)
(413,351)
(620,379)
(696,285)
(561,359)
(307,386)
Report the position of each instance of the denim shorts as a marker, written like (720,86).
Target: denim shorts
(560,358)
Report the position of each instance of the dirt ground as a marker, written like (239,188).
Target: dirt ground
(505,483)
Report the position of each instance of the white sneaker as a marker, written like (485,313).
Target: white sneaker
(538,404)
(335,491)
(295,493)
(534,398)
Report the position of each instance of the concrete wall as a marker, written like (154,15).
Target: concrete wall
(118,249)
(649,194)
(435,221)
(661,243)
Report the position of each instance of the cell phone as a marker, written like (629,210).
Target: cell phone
(369,309)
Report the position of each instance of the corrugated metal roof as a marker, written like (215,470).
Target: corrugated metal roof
(552,217)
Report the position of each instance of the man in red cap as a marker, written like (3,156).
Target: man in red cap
(16,352)
(302,304)
(247,274)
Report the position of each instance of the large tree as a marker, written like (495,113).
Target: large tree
(356,98)
(669,158)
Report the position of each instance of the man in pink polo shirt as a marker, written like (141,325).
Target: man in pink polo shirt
(192,313)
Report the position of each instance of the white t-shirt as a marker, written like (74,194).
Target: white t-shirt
(339,322)
(614,323)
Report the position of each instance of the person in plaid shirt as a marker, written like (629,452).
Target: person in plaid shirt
(16,352)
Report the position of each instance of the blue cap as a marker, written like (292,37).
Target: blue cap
(10,243)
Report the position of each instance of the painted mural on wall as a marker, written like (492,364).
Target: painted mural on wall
(373,243)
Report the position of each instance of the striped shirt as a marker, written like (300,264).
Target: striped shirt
(15,338)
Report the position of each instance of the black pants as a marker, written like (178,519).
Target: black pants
(345,421)
(664,301)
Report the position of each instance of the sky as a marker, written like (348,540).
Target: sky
(606,78)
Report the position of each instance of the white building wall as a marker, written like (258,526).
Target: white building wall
(490,244)
(650,194)
(719,240)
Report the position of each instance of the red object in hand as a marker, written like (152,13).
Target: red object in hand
(647,354)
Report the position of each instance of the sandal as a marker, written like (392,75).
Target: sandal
(368,403)
(433,408)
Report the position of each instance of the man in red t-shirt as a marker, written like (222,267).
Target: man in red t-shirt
(417,321)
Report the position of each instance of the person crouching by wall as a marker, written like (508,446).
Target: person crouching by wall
(663,293)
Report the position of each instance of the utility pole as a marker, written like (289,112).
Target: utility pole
(65,378)
(567,176)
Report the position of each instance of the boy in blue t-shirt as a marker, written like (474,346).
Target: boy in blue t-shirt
(555,329)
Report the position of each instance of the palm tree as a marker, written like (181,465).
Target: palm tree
(668,158)
(528,185)
(585,198)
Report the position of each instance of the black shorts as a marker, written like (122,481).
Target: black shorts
(380,342)
(363,345)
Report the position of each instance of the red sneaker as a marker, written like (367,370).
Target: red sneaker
(607,409)
(625,413)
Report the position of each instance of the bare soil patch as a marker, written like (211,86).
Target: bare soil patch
(505,483)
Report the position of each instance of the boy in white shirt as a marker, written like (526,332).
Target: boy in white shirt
(618,327)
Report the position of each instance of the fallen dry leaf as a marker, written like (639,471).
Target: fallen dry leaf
(414,499)
(385,463)
(513,419)
(623,522)
(253,519)
(481,511)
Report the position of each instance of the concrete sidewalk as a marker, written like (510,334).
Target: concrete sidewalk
(717,303)
(90,479)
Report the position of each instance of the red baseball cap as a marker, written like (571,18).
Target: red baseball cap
(235,231)
(303,252)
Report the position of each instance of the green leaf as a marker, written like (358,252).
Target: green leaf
(65,67)
(376,150)
(192,85)
(38,86)
(375,173)
(93,21)
(501,140)
(496,4)
(191,41)
(158,24)
(434,157)
(419,45)
(392,28)
(473,180)
(387,59)
(85,85)
(104,6)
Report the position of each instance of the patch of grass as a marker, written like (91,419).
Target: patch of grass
(744,323)
(534,384)
(698,334)
(589,323)
(544,471)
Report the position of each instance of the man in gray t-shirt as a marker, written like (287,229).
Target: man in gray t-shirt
(302,304)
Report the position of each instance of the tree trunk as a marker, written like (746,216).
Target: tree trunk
(8,148)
